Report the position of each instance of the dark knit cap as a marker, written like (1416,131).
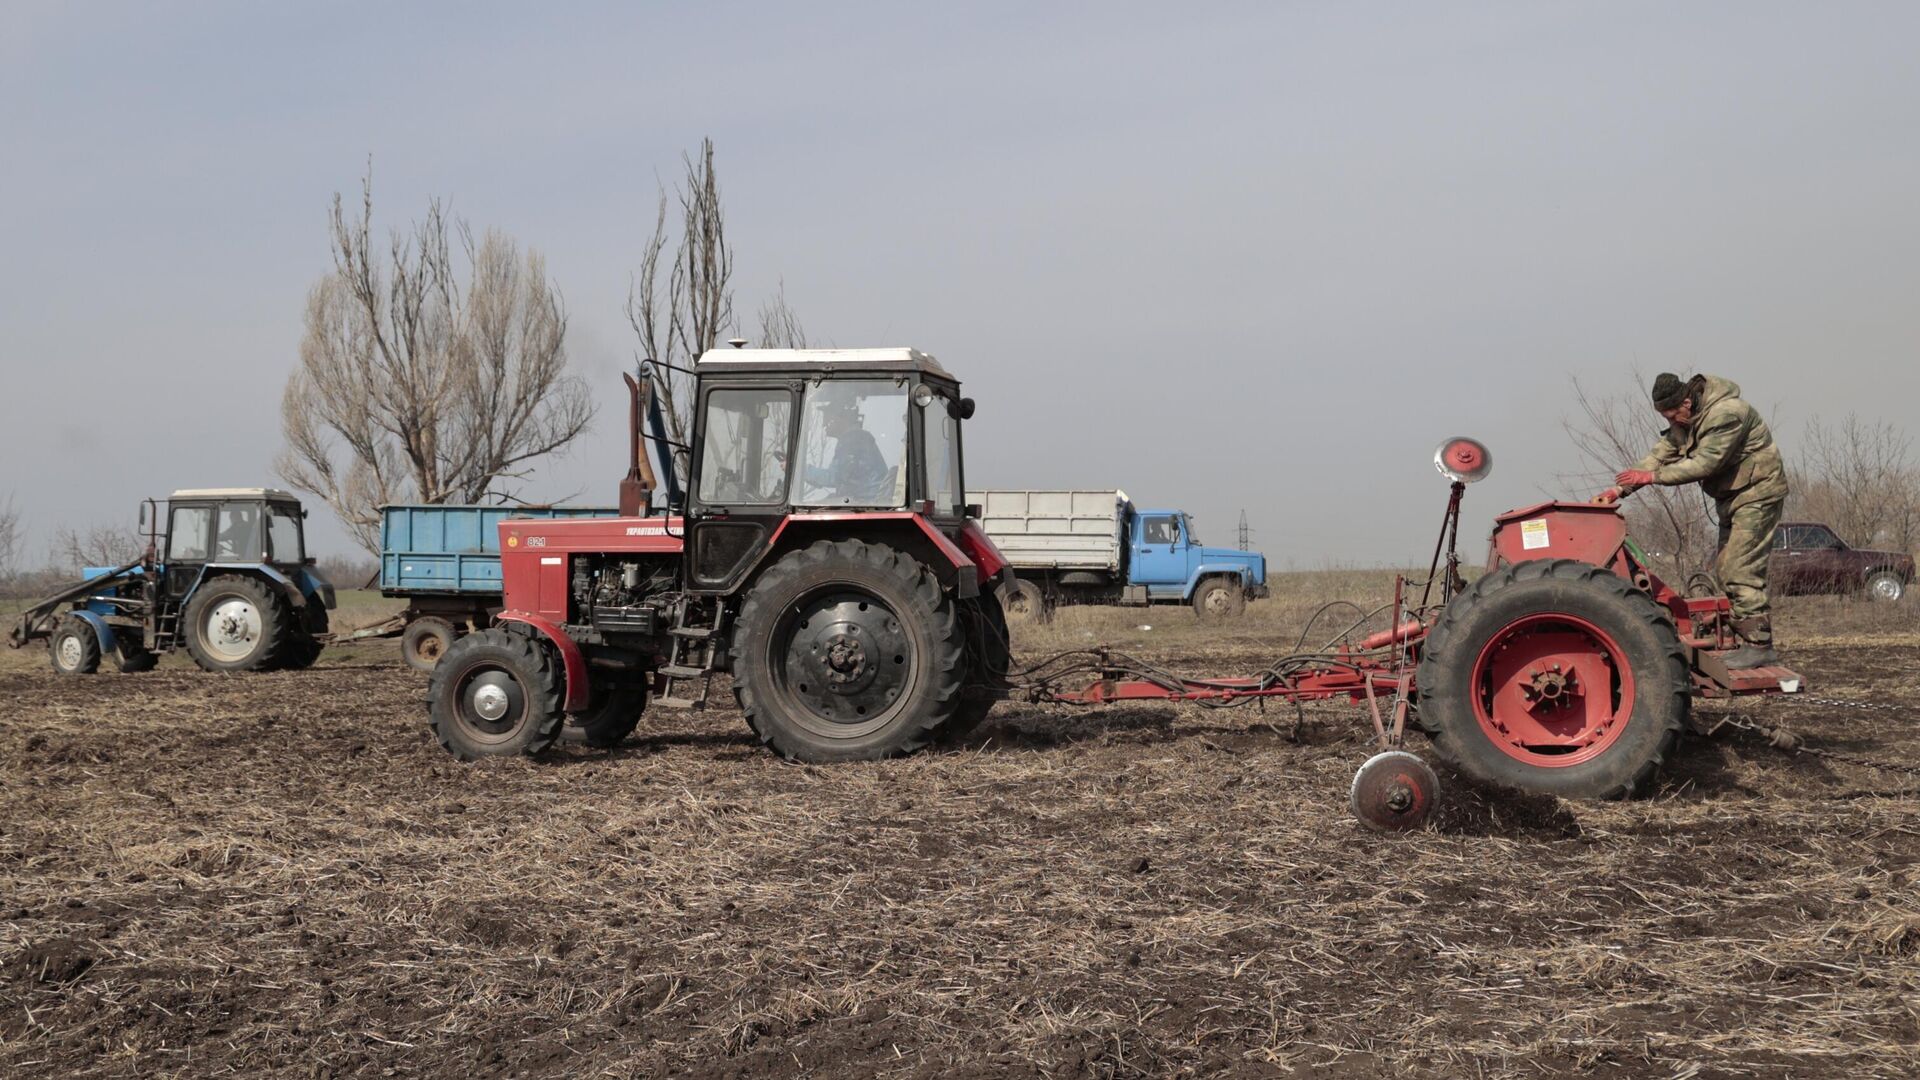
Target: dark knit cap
(1668,391)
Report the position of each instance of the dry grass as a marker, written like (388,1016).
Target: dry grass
(282,875)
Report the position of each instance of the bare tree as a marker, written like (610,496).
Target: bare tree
(95,545)
(1673,524)
(779,325)
(417,386)
(1859,477)
(10,538)
(683,316)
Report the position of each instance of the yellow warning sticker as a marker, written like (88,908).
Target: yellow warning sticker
(1533,534)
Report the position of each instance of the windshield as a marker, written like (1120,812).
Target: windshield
(853,442)
(283,534)
(238,537)
(743,456)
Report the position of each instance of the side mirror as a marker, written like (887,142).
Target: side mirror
(961,409)
(975,511)
(143,515)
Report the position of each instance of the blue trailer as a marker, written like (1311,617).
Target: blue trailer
(445,562)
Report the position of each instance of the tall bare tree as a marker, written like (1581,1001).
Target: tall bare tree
(682,316)
(94,545)
(1674,524)
(418,385)
(1859,477)
(779,324)
(10,539)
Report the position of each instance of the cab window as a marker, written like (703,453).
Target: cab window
(943,457)
(743,458)
(187,534)
(283,534)
(853,444)
(1160,530)
(240,537)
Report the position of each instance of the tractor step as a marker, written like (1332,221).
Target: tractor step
(679,703)
(695,632)
(680,671)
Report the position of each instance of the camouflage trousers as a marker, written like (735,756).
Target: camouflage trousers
(1746,539)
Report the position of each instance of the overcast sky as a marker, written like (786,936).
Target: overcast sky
(1224,256)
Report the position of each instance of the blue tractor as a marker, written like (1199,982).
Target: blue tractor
(227,578)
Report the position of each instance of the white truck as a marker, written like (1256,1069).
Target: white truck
(1096,547)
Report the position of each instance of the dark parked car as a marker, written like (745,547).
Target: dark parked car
(1809,558)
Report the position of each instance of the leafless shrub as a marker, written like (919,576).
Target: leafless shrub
(1859,477)
(1674,524)
(417,386)
(347,571)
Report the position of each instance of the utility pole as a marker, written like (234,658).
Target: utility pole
(1246,534)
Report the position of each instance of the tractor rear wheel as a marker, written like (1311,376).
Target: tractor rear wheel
(425,641)
(74,648)
(1554,676)
(848,651)
(611,717)
(496,693)
(1218,599)
(989,655)
(238,624)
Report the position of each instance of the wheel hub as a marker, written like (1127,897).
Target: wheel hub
(1552,690)
(232,628)
(70,652)
(847,660)
(490,702)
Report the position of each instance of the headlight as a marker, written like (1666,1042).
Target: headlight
(923,395)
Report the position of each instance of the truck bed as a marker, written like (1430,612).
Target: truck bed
(453,550)
(1058,529)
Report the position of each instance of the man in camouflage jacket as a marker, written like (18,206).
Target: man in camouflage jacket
(1719,441)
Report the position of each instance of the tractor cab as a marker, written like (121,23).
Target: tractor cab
(229,526)
(817,435)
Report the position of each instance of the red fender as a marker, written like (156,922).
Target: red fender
(572,660)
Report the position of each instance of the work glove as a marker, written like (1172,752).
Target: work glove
(1633,478)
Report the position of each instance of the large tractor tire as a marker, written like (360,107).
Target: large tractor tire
(1557,677)
(611,716)
(425,641)
(989,655)
(236,623)
(1219,599)
(74,648)
(848,651)
(1023,601)
(496,693)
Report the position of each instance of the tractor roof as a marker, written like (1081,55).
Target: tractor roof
(715,361)
(235,493)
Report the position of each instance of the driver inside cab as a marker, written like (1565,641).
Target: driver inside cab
(858,471)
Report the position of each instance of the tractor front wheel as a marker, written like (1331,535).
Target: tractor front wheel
(848,651)
(74,648)
(238,624)
(1555,676)
(496,693)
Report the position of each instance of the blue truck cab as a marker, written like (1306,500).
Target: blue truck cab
(1169,561)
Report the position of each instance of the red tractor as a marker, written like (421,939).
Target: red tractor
(827,559)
